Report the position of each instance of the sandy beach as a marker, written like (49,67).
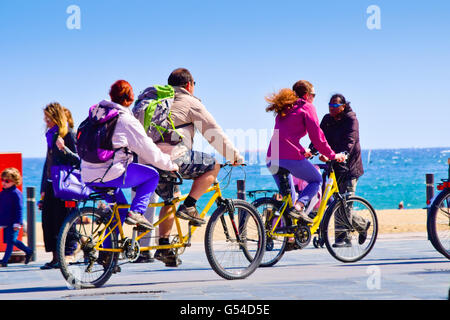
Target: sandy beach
(390,221)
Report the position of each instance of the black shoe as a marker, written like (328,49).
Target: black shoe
(291,246)
(144,257)
(3,265)
(28,257)
(104,260)
(50,265)
(167,256)
(363,234)
(344,243)
(191,214)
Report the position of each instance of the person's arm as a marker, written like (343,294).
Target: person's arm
(205,123)
(66,149)
(17,210)
(350,136)
(44,176)
(311,147)
(316,134)
(142,145)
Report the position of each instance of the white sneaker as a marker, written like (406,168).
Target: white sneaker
(139,219)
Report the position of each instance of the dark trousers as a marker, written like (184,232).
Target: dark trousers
(53,214)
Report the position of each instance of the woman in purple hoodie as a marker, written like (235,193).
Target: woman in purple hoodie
(295,117)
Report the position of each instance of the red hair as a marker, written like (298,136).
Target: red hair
(121,92)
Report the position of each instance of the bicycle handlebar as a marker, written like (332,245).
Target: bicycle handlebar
(229,164)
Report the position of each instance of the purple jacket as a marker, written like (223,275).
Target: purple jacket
(289,129)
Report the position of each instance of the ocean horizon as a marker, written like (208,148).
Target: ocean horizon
(390,176)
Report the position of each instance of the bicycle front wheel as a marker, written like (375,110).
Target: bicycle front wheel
(439,223)
(81,265)
(269,210)
(235,241)
(350,231)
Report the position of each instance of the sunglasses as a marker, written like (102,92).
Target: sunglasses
(6,180)
(335,105)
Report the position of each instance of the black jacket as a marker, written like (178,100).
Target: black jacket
(343,135)
(57,157)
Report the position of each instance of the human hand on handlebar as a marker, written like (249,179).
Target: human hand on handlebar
(340,157)
(307,154)
(238,162)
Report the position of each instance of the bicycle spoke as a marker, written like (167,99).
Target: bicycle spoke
(85,267)
(275,245)
(351,233)
(233,255)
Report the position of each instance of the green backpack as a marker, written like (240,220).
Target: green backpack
(152,109)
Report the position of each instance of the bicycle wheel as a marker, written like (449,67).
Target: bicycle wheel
(269,210)
(235,242)
(81,265)
(350,233)
(439,223)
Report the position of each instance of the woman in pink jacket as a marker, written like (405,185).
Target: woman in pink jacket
(295,117)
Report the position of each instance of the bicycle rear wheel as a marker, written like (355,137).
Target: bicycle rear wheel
(81,265)
(439,223)
(235,241)
(269,210)
(350,233)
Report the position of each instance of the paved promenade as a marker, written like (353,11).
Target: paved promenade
(404,267)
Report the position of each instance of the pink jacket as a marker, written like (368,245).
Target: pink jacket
(299,121)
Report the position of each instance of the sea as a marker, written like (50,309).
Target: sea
(390,176)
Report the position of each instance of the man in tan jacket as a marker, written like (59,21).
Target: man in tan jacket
(189,115)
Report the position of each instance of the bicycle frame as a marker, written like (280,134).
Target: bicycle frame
(183,240)
(331,187)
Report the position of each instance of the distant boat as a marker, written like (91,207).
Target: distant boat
(368,156)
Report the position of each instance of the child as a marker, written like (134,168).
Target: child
(11,208)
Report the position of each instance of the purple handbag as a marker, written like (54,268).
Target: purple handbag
(67,184)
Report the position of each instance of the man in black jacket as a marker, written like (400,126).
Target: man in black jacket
(341,129)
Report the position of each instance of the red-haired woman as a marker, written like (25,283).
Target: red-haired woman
(128,137)
(296,117)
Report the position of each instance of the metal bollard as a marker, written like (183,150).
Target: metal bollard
(429,178)
(31,220)
(241,195)
(241,189)
(448,161)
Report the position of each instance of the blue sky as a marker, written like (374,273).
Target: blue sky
(397,78)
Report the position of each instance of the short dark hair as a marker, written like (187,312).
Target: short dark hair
(180,77)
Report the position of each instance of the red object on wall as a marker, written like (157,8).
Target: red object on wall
(8,160)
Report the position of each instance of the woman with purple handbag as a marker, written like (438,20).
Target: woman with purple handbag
(61,150)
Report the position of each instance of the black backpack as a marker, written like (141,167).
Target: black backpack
(94,135)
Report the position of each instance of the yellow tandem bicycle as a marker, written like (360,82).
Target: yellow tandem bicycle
(234,238)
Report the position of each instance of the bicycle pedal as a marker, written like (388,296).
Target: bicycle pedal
(140,228)
(195,224)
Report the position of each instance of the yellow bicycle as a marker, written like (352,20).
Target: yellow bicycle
(95,241)
(348,225)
